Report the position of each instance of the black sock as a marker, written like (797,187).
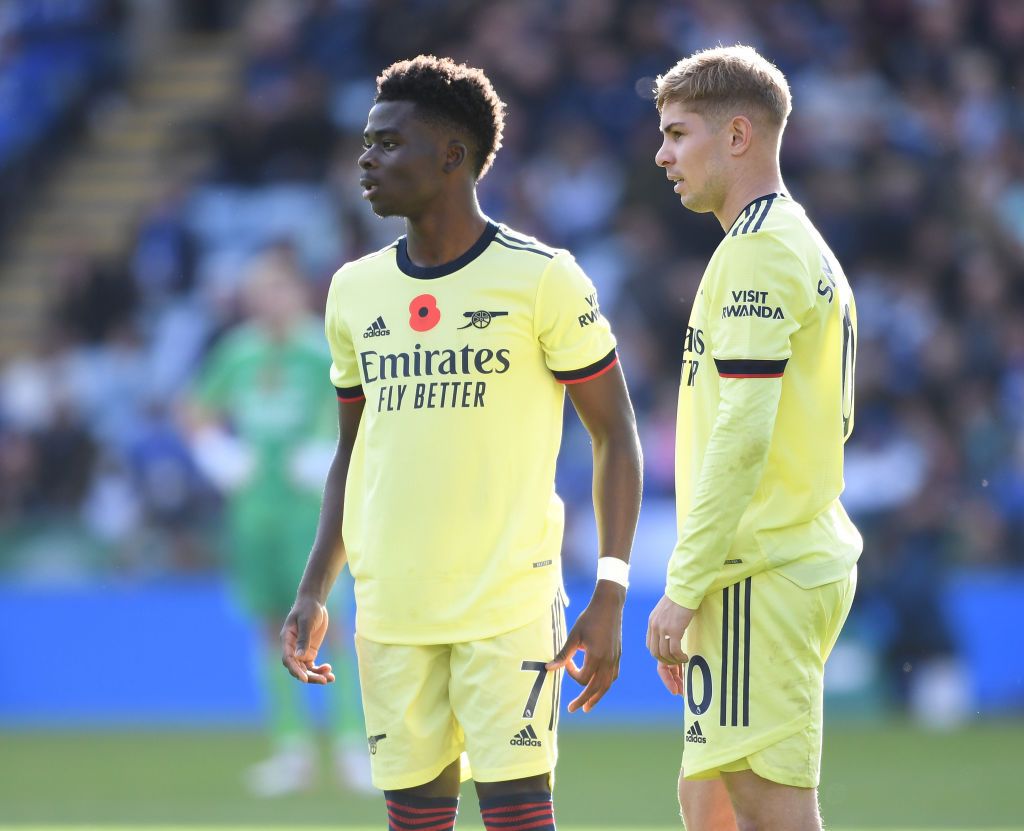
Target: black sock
(420,813)
(519,812)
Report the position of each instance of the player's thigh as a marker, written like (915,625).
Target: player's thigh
(705,805)
(764,805)
(412,732)
(755,678)
(507,702)
(795,759)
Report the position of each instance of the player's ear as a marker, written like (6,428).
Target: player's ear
(455,156)
(740,132)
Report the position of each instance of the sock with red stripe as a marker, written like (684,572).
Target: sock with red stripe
(519,812)
(420,813)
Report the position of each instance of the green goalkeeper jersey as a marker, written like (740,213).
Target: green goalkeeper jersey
(273,396)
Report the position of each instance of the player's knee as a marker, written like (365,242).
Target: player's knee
(763,805)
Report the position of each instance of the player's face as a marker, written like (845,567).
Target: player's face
(402,163)
(691,154)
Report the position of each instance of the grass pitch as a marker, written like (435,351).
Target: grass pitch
(889,777)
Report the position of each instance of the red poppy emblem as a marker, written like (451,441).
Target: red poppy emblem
(423,313)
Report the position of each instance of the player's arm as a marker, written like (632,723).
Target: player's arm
(750,355)
(606,412)
(733,465)
(306,624)
(579,349)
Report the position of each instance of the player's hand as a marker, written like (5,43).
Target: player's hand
(301,636)
(665,628)
(671,676)
(598,632)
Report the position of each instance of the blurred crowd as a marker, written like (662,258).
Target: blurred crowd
(906,147)
(56,61)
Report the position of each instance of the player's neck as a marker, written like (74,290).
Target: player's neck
(745,190)
(444,233)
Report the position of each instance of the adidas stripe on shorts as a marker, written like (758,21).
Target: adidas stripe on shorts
(492,700)
(755,676)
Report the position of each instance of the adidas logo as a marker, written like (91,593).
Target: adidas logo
(695,734)
(527,737)
(377,329)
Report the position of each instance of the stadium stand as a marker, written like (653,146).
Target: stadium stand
(906,147)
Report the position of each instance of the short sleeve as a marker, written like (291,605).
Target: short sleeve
(344,365)
(577,341)
(757,297)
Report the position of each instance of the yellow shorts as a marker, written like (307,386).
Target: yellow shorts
(491,699)
(755,678)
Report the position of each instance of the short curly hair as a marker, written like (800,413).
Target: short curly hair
(453,93)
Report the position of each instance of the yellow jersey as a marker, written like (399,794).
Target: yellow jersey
(452,526)
(773,304)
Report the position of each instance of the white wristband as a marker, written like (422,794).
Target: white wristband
(614,569)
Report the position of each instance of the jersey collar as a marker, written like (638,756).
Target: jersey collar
(430,272)
(754,201)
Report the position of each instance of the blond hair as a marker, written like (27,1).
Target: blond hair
(725,81)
